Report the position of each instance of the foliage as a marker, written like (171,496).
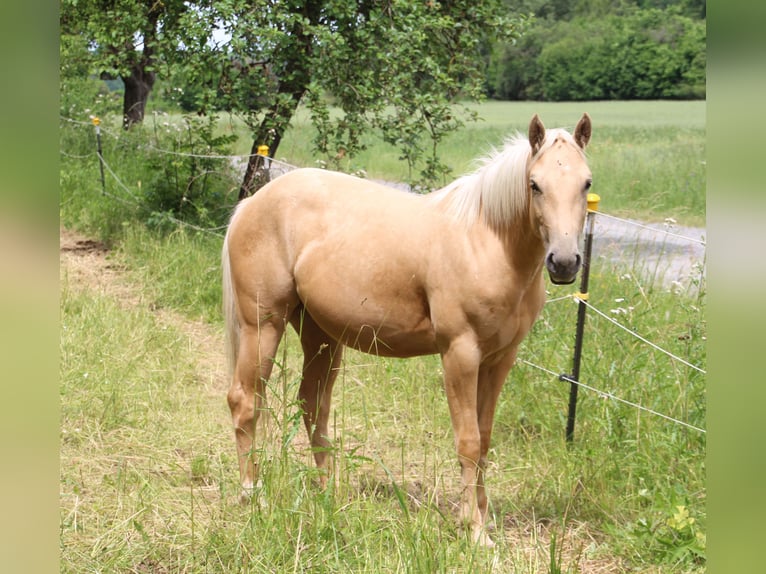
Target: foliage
(149,473)
(648,159)
(636,54)
(397,66)
(191,181)
(80,93)
(170,171)
(129,39)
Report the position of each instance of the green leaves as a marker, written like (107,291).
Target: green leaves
(395,66)
(635,54)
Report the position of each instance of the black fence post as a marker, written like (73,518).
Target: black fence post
(574,378)
(97,123)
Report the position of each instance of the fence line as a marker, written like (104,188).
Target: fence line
(136,203)
(611,396)
(654,229)
(637,336)
(575,297)
(289,167)
(164,151)
(118,180)
(556,299)
(578,299)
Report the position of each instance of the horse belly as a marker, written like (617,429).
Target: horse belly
(369,311)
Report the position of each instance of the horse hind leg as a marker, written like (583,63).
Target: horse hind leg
(321,360)
(247,394)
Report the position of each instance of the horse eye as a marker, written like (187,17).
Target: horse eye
(588,184)
(535,188)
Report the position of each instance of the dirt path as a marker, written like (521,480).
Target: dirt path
(85,265)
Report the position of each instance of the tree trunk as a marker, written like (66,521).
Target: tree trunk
(140,81)
(138,86)
(293,85)
(269,133)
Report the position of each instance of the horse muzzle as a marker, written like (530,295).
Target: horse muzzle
(562,269)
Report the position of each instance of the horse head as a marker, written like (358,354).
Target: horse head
(558,183)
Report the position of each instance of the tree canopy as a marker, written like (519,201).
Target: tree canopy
(396,65)
(598,49)
(129,39)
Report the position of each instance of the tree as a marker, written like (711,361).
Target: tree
(394,65)
(605,50)
(127,39)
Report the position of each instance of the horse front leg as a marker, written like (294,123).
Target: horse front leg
(491,380)
(461,370)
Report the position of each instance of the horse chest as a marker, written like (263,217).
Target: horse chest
(502,318)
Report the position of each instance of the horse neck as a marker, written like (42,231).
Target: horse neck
(521,243)
(523,246)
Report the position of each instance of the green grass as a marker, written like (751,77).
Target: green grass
(648,158)
(148,468)
(149,471)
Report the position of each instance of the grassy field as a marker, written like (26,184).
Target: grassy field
(148,468)
(648,158)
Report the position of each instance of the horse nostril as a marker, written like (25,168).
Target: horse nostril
(573,262)
(549,261)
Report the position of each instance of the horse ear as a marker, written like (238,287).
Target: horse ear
(536,134)
(582,131)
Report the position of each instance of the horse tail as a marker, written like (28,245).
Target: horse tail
(231,321)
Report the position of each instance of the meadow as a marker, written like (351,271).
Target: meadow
(148,468)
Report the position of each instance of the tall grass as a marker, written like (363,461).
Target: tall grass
(149,472)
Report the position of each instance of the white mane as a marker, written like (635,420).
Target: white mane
(497,191)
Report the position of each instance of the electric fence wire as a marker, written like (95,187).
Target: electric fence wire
(608,395)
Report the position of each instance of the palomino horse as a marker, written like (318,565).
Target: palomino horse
(458,272)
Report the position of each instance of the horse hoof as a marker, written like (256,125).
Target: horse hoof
(246,496)
(246,493)
(481,538)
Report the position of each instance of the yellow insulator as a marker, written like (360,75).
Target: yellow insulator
(263,150)
(593,199)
